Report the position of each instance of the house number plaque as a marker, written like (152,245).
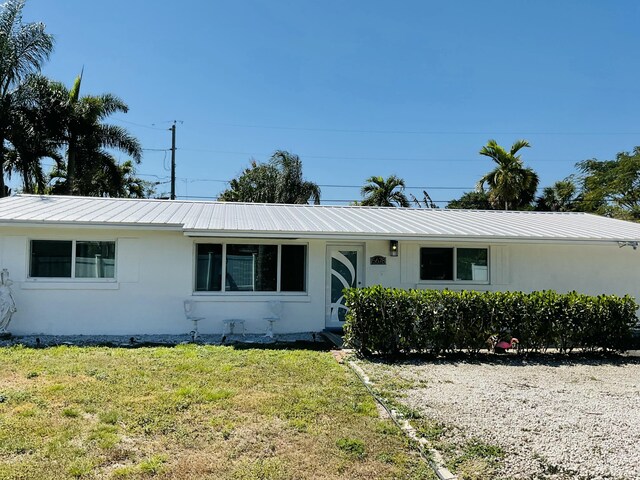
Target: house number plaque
(378,260)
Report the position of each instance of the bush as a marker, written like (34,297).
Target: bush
(390,321)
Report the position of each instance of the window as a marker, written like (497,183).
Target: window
(293,271)
(467,264)
(51,258)
(250,268)
(436,263)
(72,259)
(471,264)
(209,268)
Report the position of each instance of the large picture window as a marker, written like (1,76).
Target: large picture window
(454,264)
(251,268)
(72,259)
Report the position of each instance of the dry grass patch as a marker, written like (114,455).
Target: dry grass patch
(191,412)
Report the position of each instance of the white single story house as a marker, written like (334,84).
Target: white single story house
(126,266)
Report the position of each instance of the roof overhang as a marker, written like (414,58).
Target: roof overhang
(351,236)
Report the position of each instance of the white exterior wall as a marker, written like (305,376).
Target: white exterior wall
(155,273)
(586,268)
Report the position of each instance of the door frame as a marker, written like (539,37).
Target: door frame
(360,248)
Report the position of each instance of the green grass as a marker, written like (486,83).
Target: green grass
(192,412)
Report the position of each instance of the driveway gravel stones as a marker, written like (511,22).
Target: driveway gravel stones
(554,419)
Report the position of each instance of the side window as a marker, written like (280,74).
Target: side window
(72,259)
(454,264)
(293,268)
(208,267)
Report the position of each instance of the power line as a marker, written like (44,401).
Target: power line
(138,124)
(391,132)
(366,159)
(415,132)
(406,188)
(418,187)
(337,200)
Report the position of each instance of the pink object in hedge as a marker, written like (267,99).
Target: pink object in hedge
(507,345)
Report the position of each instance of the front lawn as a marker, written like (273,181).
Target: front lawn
(191,412)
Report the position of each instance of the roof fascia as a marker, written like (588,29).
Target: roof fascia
(90,225)
(405,237)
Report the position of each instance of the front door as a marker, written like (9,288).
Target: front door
(344,270)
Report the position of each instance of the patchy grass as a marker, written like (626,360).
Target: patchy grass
(192,412)
(474,460)
(469,460)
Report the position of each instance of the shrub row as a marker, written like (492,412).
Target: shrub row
(390,321)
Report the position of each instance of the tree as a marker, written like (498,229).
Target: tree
(561,197)
(471,201)
(23,49)
(511,184)
(426,201)
(384,193)
(88,140)
(34,130)
(106,178)
(280,180)
(611,187)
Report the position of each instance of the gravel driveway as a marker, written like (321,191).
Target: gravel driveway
(553,419)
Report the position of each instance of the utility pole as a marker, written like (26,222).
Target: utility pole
(173,160)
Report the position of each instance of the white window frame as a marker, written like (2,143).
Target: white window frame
(223,284)
(73,277)
(455,265)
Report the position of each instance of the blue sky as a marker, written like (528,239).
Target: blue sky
(357,88)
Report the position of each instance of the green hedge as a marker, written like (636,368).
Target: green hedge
(391,321)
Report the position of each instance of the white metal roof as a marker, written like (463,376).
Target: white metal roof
(306,221)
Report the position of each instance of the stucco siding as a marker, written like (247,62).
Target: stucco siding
(590,269)
(584,268)
(155,274)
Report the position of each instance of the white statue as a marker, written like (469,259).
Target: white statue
(7,304)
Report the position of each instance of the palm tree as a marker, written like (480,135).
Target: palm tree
(87,140)
(384,193)
(561,197)
(34,130)
(23,49)
(107,179)
(291,187)
(426,202)
(280,180)
(511,184)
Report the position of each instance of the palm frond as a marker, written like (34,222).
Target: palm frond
(519,145)
(112,136)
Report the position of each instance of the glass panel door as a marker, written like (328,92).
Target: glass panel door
(344,270)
